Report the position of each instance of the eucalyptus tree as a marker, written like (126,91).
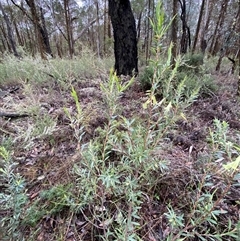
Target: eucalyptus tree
(64,16)
(4,44)
(34,11)
(186,35)
(198,26)
(218,27)
(95,25)
(125,37)
(141,12)
(230,42)
(10,36)
(69,7)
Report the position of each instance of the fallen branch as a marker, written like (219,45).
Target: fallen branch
(12,115)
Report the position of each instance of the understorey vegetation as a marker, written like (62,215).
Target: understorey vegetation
(94,156)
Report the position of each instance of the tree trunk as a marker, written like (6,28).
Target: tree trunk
(207,17)
(198,26)
(38,21)
(186,37)
(19,37)
(147,42)
(225,44)
(98,30)
(139,26)
(68,28)
(4,38)
(44,34)
(219,23)
(174,31)
(10,32)
(105,26)
(125,37)
(220,32)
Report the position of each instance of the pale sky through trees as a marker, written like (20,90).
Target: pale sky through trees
(79,2)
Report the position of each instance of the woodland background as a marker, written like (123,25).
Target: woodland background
(88,155)
(62,28)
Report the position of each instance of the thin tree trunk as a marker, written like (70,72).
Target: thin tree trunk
(219,34)
(41,35)
(6,44)
(44,34)
(36,21)
(147,42)
(219,23)
(68,28)
(31,45)
(105,26)
(109,28)
(98,30)
(139,26)
(151,29)
(10,32)
(207,17)
(225,45)
(198,26)
(19,37)
(186,37)
(174,30)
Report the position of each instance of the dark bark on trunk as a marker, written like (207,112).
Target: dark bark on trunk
(10,32)
(125,37)
(186,36)
(198,26)
(36,22)
(44,33)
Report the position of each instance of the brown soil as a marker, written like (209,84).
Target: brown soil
(47,160)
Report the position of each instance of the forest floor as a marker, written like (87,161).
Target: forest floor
(47,157)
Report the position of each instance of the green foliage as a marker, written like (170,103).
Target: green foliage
(119,165)
(13,197)
(163,77)
(202,220)
(184,75)
(186,79)
(146,77)
(63,71)
(44,126)
(192,63)
(219,140)
(118,178)
(53,201)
